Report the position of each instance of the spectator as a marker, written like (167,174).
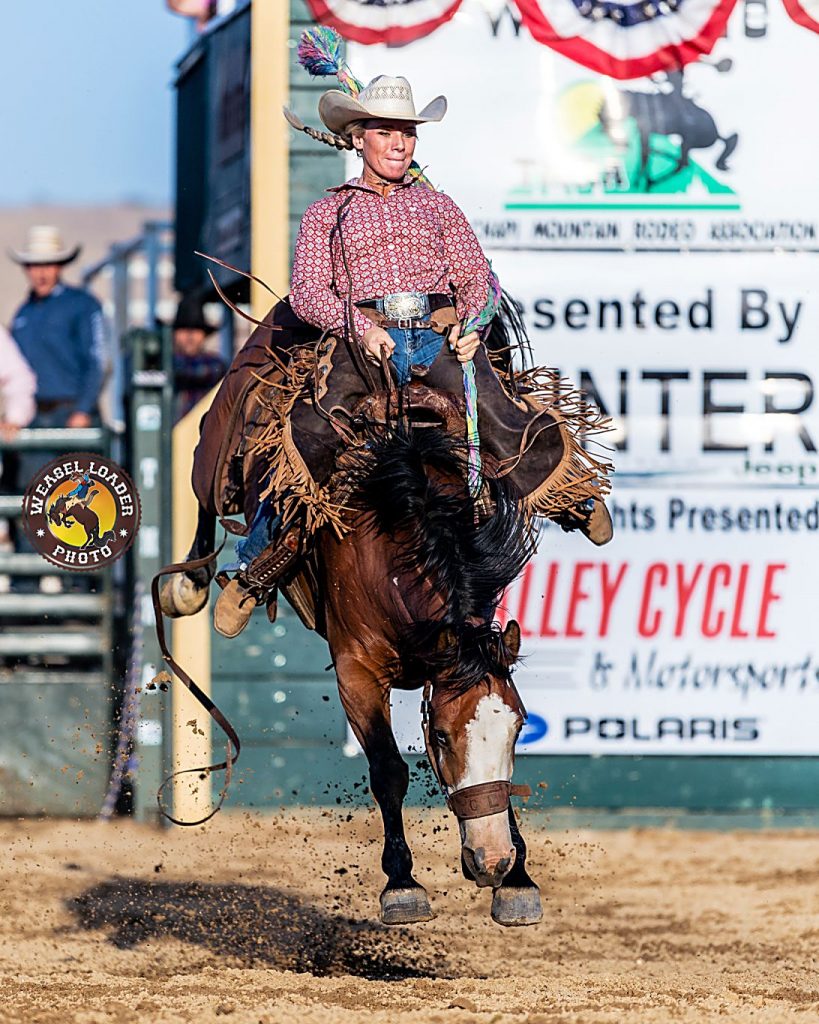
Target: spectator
(59,330)
(195,371)
(18,386)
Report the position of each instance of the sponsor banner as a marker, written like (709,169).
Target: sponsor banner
(693,633)
(685,301)
(543,153)
(708,364)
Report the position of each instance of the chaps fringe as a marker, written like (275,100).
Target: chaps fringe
(288,474)
(579,475)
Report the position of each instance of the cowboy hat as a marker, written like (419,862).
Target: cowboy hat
(384,97)
(190,315)
(44,244)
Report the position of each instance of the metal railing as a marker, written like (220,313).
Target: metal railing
(73,629)
(67,623)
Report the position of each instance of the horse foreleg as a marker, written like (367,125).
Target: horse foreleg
(185,593)
(517,900)
(366,703)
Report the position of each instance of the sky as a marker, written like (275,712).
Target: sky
(86,101)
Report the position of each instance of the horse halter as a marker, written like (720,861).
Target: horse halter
(477,801)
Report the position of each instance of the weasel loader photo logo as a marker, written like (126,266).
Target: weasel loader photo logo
(81,512)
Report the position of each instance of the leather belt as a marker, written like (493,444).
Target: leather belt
(406,310)
(50,404)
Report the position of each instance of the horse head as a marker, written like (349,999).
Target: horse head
(470,732)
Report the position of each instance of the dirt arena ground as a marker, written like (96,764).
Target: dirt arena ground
(272,920)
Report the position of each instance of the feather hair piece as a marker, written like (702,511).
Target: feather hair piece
(319,53)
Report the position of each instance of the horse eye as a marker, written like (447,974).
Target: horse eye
(441,737)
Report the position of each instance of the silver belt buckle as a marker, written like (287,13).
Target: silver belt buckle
(404,306)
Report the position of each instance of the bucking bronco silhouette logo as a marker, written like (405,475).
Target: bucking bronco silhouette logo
(81,512)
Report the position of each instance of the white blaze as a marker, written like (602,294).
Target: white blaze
(490,738)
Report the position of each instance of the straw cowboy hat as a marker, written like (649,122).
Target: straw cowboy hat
(44,244)
(384,97)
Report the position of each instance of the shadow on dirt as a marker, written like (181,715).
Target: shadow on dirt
(258,925)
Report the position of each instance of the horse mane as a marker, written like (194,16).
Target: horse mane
(413,484)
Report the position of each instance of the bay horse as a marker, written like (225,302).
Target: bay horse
(406,600)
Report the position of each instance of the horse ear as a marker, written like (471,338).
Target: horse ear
(511,641)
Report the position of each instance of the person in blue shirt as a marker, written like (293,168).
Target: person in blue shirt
(60,332)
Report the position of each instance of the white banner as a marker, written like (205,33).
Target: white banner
(544,154)
(685,301)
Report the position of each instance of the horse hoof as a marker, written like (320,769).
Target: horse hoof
(513,907)
(405,906)
(180,596)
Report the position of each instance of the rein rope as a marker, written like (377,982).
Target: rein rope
(233,746)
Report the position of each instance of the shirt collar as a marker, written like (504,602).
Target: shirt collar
(56,291)
(359,184)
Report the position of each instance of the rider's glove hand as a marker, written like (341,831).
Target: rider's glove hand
(466,347)
(375,339)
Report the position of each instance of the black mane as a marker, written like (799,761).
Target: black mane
(414,484)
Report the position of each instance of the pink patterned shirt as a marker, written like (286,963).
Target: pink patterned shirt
(415,239)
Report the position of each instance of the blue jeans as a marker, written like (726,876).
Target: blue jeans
(262,531)
(416,346)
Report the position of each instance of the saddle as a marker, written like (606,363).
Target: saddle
(290,404)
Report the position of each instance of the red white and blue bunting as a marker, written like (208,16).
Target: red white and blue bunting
(394,22)
(804,13)
(629,40)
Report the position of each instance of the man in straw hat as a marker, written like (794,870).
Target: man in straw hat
(390,268)
(59,330)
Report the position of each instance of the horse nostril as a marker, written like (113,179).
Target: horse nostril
(480,859)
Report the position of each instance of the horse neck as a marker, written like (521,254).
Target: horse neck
(355,571)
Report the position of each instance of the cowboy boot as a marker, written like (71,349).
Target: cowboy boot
(592,518)
(256,584)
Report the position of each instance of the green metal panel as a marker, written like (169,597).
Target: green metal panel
(54,754)
(283,714)
(150,405)
(314,167)
(269,776)
(56,669)
(274,686)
